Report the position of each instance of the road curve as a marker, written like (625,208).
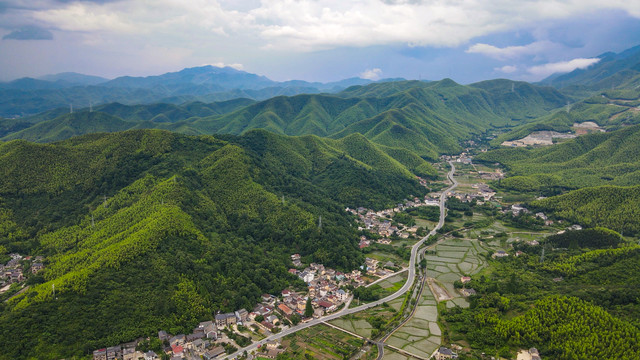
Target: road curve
(346,311)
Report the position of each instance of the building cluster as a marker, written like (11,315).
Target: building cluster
(481,193)
(202,343)
(324,289)
(379,222)
(12,271)
(497,175)
(518,209)
(205,342)
(466,292)
(444,353)
(531,354)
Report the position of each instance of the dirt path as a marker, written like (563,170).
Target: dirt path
(440,293)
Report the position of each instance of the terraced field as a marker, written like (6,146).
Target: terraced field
(421,335)
(453,259)
(358,324)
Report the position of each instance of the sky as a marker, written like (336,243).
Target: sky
(314,40)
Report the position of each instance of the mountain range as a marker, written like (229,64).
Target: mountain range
(154,210)
(28,96)
(429,118)
(621,70)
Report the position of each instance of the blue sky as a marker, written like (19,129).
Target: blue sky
(315,40)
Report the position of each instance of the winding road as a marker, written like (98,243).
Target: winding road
(346,311)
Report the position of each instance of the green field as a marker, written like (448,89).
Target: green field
(453,258)
(358,324)
(321,342)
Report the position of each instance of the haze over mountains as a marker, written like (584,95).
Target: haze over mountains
(28,96)
(613,70)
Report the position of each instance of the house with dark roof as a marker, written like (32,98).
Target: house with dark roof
(468,292)
(221,321)
(213,353)
(162,335)
(444,353)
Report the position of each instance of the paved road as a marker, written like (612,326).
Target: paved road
(346,310)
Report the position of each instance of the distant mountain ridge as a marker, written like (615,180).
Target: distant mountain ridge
(621,70)
(28,96)
(75,78)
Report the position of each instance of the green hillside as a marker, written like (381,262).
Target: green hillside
(159,112)
(611,110)
(620,70)
(568,328)
(611,206)
(597,159)
(427,118)
(574,296)
(69,125)
(146,230)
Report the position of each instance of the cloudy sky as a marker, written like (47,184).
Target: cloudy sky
(315,40)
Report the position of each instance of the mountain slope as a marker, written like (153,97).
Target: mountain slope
(611,110)
(603,74)
(70,125)
(429,118)
(146,230)
(591,160)
(610,206)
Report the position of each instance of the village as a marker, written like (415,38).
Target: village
(13,271)
(226,332)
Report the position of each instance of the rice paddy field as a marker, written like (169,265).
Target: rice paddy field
(358,324)
(453,258)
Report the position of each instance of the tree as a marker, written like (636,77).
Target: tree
(308,309)
(295,319)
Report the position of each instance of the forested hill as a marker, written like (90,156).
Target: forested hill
(610,109)
(620,70)
(598,159)
(426,118)
(147,230)
(615,207)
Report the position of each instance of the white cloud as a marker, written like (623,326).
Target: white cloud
(84,17)
(307,25)
(221,65)
(561,67)
(322,24)
(512,52)
(371,74)
(507,69)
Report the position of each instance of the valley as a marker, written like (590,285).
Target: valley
(219,214)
